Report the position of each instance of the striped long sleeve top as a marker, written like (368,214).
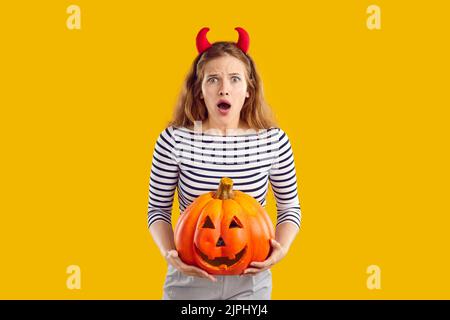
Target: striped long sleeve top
(194,162)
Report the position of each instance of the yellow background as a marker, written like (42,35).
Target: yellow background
(367,113)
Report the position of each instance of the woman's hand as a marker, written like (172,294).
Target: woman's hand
(173,258)
(278,253)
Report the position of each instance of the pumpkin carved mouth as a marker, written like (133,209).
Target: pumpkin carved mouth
(222,262)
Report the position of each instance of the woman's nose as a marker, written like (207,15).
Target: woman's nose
(224,89)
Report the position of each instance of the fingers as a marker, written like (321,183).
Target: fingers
(200,273)
(262,264)
(173,258)
(193,271)
(253,271)
(274,257)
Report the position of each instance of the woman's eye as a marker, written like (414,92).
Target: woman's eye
(212,80)
(235,79)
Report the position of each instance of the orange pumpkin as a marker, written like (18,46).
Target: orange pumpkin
(223,231)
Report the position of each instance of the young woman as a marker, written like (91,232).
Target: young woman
(222,127)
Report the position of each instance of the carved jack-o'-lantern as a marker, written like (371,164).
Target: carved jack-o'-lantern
(223,231)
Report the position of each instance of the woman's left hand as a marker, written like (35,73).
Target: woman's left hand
(278,253)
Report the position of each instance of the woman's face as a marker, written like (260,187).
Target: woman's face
(224,89)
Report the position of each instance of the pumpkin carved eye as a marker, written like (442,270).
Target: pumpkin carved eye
(235,223)
(208,223)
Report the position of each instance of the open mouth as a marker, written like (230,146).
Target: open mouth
(224,106)
(219,261)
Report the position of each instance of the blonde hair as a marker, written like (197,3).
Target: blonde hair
(190,107)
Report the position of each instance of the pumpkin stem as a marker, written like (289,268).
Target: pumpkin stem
(225,190)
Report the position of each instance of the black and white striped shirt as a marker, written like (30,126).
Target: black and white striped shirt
(194,162)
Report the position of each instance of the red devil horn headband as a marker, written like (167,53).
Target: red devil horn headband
(203,43)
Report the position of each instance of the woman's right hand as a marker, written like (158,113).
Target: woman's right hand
(173,258)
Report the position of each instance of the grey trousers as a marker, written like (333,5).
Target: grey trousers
(178,286)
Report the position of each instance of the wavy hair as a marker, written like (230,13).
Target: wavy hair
(255,112)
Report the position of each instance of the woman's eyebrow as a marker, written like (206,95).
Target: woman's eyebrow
(230,74)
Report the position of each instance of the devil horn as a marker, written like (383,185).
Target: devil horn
(244,39)
(202,42)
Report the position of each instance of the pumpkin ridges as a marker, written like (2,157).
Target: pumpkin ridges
(244,199)
(261,238)
(185,228)
(206,239)
(268,222)
(231,206)
(261,225)
(247,202)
